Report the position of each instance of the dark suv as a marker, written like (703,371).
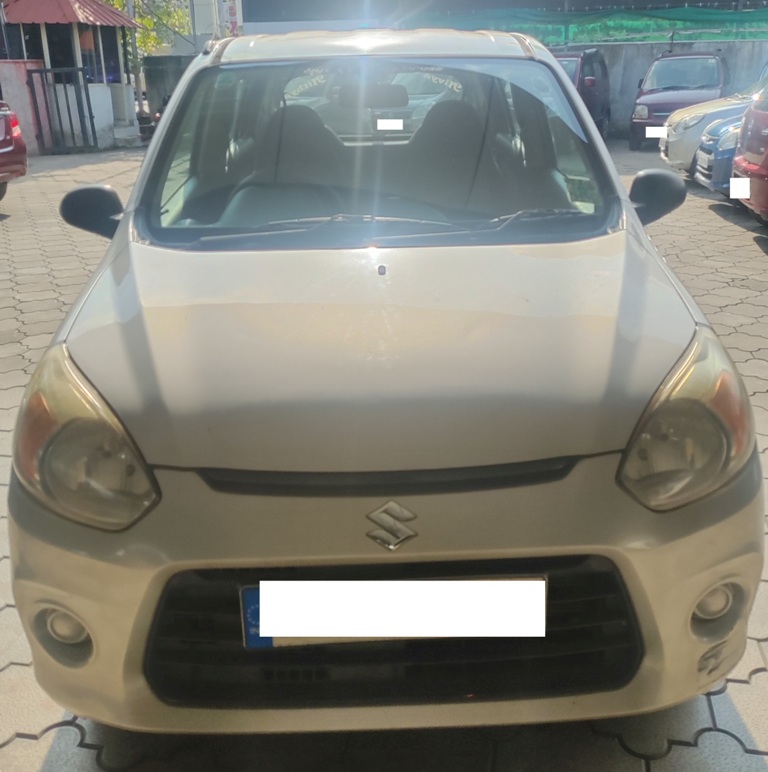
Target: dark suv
(672,82)
(589,73)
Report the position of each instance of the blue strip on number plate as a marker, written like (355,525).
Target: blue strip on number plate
(249,598)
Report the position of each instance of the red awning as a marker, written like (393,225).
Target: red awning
(65,12)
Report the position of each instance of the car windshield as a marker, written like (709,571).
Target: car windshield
(685,72)
(570,66)
(358,151)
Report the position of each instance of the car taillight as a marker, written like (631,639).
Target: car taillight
(15,128)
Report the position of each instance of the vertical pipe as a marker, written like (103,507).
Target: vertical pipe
(101,54)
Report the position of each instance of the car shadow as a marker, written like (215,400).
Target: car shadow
(736,214)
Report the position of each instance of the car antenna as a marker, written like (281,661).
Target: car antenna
(671,38)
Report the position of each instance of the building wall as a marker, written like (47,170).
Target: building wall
(13,80)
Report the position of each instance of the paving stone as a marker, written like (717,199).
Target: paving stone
(649,735)
(11,397)
(714,752)
(14,648)
(41,316)
(742,709)
(24,706)
(38,328)
(5,546)
(6,596)
(10,324)
(8,350)
(13,379)
(37,341)
(57,750)
(744,342)
(758,619)
(750,664)
(8,419)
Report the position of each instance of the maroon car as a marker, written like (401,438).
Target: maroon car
(751,159)
(589,73)
(672,82)
(13,151)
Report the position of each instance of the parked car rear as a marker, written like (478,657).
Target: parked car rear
(751,160)
(13,150)
(672,82)
(589,73)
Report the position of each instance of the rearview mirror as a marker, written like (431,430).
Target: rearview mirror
(94,208)
(375,95)
(655,193)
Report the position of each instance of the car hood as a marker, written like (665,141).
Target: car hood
(380,359)
(714,109)
(719,127)
(675,100)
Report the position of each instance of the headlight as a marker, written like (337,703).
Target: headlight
(71,452)
(640,112)
(696,434)
(729,140)
(690,121)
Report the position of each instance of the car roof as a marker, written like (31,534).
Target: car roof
(576,54)
(378,42)
(705,54)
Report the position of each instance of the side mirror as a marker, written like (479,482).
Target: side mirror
(590,81)
(655,193)
(94,208)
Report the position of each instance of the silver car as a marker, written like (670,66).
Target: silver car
(404,375)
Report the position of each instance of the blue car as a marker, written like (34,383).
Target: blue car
(714,158)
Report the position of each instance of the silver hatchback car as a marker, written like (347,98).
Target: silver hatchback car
(413,354)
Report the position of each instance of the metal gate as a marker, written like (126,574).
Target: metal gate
(63,112)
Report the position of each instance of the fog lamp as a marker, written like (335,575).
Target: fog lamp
(65,628)
(715,603)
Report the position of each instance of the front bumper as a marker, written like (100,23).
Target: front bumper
(758,187)
(679,148)
(114,581)
(638,127)
(714,168)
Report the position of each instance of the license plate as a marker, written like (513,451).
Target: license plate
(703,159)
(460,608)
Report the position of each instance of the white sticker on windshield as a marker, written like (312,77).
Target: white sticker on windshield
(389,124)
(739,187)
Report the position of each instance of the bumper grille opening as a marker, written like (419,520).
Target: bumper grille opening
(196,656)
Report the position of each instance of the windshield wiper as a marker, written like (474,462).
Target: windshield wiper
(534,214)
(301,224)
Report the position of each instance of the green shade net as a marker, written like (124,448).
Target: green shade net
(557,28)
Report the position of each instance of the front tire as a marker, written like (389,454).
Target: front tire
(635,143)
(3,190)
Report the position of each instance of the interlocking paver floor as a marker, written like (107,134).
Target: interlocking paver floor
(721,255)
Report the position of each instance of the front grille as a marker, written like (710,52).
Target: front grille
(195,654)
(411,482)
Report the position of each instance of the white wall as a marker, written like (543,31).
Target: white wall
(13,77)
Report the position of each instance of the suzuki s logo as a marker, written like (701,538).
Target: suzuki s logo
(391,532)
